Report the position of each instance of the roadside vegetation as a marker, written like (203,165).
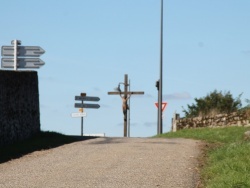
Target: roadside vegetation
(216,102)
(225,162)
(226,156)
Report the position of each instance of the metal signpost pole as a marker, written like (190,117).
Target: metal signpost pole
(15,55)
(160,81)
(82,124)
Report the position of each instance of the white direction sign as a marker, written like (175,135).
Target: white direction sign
(22,63)
(32,51)
(78,114)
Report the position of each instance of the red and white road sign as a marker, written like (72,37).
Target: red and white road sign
(163,105)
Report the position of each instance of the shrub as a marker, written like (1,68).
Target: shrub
(212,104)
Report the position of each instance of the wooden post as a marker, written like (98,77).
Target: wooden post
(174,122)
(125,113)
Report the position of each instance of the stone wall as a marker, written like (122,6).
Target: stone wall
(220,120)
(19,105)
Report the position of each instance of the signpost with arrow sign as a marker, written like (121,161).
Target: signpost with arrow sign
(19,56)
(82,105)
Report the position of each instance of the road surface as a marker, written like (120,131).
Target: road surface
(107,163)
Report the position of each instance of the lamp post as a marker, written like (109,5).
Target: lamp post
(159,125)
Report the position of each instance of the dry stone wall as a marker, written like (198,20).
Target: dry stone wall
(220,120)
(19,105)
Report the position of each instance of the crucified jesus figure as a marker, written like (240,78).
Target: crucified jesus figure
(125,106)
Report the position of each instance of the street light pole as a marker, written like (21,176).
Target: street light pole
(159,130)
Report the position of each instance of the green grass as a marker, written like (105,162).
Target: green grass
(212,135)
(40,141)
(227,165)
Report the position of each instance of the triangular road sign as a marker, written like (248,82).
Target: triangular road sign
(163,105)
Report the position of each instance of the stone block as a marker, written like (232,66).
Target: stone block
(19,105)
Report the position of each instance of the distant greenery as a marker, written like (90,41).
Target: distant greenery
(211,135)
(212,104)
(248,103)
(247,108)
(227,164)
(40,141)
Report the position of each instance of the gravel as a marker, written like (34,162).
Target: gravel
(107,162)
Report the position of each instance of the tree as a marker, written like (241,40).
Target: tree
(246,109)
(248,103)
(212,104)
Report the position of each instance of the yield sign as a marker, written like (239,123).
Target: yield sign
(163,105)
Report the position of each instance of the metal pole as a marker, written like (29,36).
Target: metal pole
(15,55)
(160,81)
(82,124)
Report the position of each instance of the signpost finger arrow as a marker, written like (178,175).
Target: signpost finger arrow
(86,98)
(32,51)
(22,63)
(80,105)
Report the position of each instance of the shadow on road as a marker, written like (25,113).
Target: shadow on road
(41,141)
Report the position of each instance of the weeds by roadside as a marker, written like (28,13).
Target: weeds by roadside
(225,162)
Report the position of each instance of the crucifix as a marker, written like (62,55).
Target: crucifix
(125,95)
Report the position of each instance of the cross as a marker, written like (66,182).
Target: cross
(126,95)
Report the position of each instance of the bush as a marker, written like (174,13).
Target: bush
(212,104)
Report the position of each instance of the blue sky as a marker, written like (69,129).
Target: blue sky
(90,45)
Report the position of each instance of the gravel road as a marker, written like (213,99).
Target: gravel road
(107,163)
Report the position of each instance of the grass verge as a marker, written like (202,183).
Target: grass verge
(40,141)
(228,164)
